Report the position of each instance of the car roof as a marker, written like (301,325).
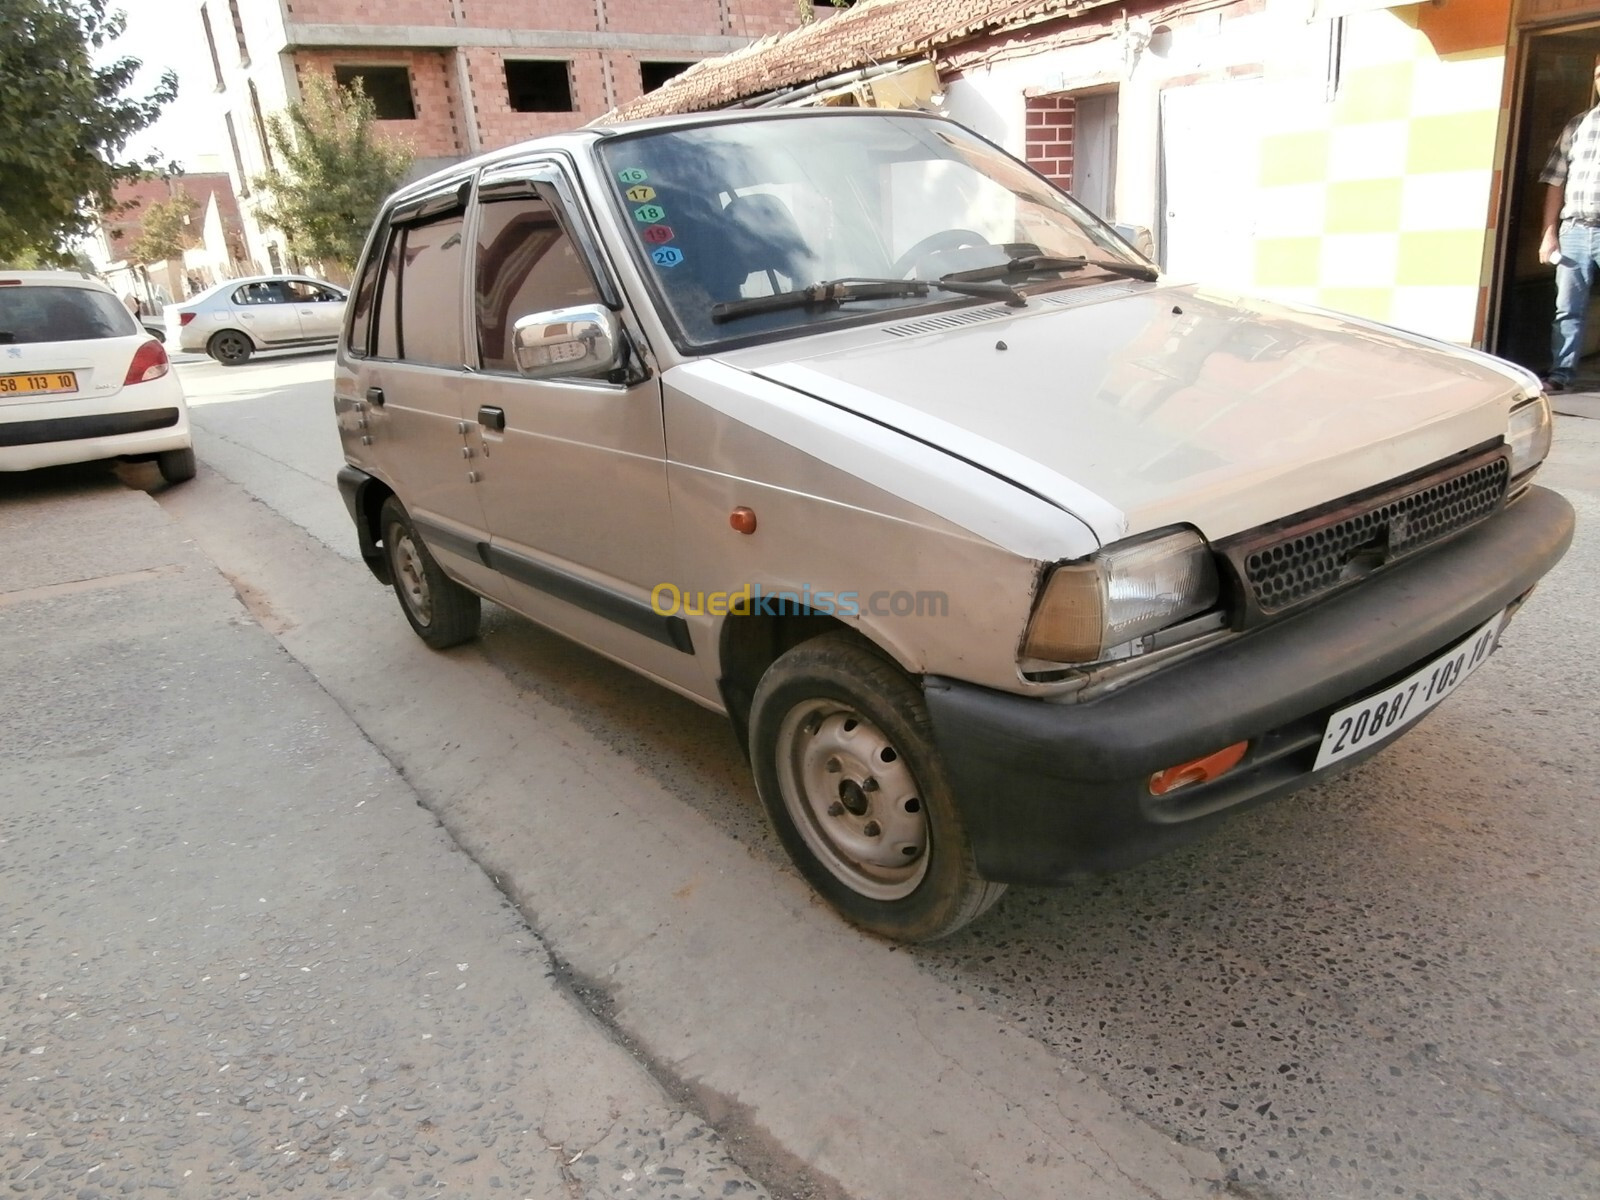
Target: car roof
(575,140)
(226,284)
(52,279)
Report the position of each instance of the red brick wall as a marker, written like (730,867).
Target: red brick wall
(371,12)
(735,18)
(499,125)
(1049,143)
(436,131)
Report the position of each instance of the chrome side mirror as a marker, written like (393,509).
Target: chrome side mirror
(581,341)
(1139,237)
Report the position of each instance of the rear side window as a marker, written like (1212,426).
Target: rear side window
(361,303)
(526,264)
(421,277)
(61,314)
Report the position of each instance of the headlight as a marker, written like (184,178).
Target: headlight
(1123,593)
(1528,435)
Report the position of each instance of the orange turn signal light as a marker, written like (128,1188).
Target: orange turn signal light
(743,519)
(1197,770)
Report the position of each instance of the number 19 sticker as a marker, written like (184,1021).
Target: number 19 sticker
(666,256)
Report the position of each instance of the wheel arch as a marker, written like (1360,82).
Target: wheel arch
(749,643)
(364,495)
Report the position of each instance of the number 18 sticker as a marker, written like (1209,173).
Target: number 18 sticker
(667,256)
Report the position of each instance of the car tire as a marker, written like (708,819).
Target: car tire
(441,611)
(176,466)
(847,769)
(230,348)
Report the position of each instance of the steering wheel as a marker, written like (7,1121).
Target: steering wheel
(945,239)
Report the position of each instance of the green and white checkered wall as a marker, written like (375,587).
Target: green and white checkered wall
(1378,202)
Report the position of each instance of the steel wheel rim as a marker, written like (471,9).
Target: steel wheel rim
(853,798)
(410,574)
(231,345)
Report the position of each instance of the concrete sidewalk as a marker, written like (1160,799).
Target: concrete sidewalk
(237,957)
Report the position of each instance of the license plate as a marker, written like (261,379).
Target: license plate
(39,383)
(1370,721)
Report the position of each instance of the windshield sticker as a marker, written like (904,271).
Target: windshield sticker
(649,214)
(641,193)
(633,175)
(667,256)
(658,235)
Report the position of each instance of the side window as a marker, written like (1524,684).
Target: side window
(361,309)
(526,264)
(266,292)
(421,274)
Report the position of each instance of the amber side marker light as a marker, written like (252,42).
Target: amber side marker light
(1197,770)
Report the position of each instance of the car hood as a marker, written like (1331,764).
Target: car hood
(1136,407)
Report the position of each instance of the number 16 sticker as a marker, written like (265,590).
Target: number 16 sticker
(667,256)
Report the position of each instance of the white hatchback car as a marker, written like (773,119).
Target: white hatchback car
(80,380)
(232,320)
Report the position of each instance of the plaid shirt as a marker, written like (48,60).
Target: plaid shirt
(1575,165)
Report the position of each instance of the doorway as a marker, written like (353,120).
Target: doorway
(1554,84)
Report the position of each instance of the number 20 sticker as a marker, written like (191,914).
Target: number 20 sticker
(666,256)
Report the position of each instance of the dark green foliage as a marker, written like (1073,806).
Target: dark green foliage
(63,122)
(333,172)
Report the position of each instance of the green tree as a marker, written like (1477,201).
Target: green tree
(64,122)
(167,230)
(334,171)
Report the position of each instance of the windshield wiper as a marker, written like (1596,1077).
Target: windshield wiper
(1028,264)
(836,291)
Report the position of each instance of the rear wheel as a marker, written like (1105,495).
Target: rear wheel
(230,347)
(442,612)
(176,465)
(857,791)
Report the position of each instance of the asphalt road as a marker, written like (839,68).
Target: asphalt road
(1387,985)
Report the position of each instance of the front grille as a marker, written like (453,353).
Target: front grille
(1294,562)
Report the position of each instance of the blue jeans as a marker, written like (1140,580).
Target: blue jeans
(1580,246)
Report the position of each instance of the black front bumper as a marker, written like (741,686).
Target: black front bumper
(1052,790)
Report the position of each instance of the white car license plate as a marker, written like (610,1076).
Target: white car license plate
(1370,721)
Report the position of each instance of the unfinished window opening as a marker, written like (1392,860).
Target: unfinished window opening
(389,89)
(238,33)
(653,74)
(261,127)
(211,44)
(538,86)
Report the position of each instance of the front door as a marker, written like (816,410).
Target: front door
(319,307)
(574,480)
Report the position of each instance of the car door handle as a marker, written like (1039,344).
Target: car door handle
(492,418)
(375,397)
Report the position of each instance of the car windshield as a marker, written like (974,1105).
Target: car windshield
(61,314)
(729,212)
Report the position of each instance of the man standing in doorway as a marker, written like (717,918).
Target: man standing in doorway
(1571,240)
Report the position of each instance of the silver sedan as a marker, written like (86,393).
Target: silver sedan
(237,317)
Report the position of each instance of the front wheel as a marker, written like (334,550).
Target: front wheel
(441,611)
(856,789)
(230,348)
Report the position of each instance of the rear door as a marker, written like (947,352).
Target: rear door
(408,385)
(264,308)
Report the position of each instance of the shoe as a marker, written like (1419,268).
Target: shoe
(1553,385)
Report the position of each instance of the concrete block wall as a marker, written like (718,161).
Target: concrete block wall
(1049,137)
